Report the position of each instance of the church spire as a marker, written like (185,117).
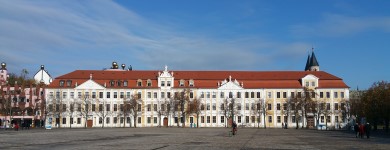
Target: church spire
(307,67)
(314,66)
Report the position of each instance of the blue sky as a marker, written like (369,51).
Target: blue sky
(350,38)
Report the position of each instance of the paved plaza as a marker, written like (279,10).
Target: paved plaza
(186,138)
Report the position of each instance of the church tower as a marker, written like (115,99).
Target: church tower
(312,63)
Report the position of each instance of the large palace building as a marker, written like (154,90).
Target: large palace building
(98,98)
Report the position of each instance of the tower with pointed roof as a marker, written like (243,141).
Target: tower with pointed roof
(312,63)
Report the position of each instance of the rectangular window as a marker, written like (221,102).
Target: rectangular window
(246,119)
(202,119)
(342,94)
(335,95)
(100,107)
(162,94)
(139,107)
(93,107)
(108,94)
(222,119)
(327,106)
(246,94)
(115,119)
(284,106)
(71,121)
(214,119)
(207,94)
(269,95)
(115,94)
(246,106)
(327,94)
(230,94)
(321,94)
(108,120)
(79,94)
(191,94)
(278,106)
(155,95)
(115,107)
(154,120)
(258,95)
(252,94)
(222,95)
(121,119)
(93,94)
(63,120)
(100,94)
(238,106)
(71,94)
(162,83)
(328,119)
(127,94)
(307,84)
(238,94)
(278,119)
(313,83)
(149,120)
(284,94)
(269,107)
(155,107)
(277,94)
(285,119)
(208,106)
(214,106)
(292,95)
(78,120)
(208,119)
(293,119)
(122,95)
(139,119)
(253,119)
(222,106)
(336,106)
(149,107)
(322,119)
(269,119)
(149,94)
(239,119)
(107,107)
(168,83)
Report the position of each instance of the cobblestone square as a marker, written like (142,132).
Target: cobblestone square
(186,138)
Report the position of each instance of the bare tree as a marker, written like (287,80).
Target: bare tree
(71,112)
(135,108)
(125,110)
(225,110)
(260,111)
(195,108)
(170,103)
(102,111)
(182,98)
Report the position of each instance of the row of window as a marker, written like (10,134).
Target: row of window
(203,119)
(93,95)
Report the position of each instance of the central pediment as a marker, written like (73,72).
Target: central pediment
(90,85)
(230,85)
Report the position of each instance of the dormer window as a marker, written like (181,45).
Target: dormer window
(307,84)
(119,82)
(313,83)
(181,82)
(62,83)
(168,83)
(68,83)
(191,82)
(112,83)
(149,83)
(139,82)
(124,83)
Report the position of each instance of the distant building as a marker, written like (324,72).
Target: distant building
(18,104)
(92,93)
(42,76)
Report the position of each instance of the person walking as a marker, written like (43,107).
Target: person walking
(368,129)
(356,129)
(234,128)
(361,130)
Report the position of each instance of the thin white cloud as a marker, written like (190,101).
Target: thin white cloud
(91,34)
(334,25)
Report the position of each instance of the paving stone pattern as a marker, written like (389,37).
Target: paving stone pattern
(185,139)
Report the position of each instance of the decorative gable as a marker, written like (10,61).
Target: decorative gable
(230,85)
(310,81)
(90,85)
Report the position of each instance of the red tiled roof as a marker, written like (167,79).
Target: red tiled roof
(204,79)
